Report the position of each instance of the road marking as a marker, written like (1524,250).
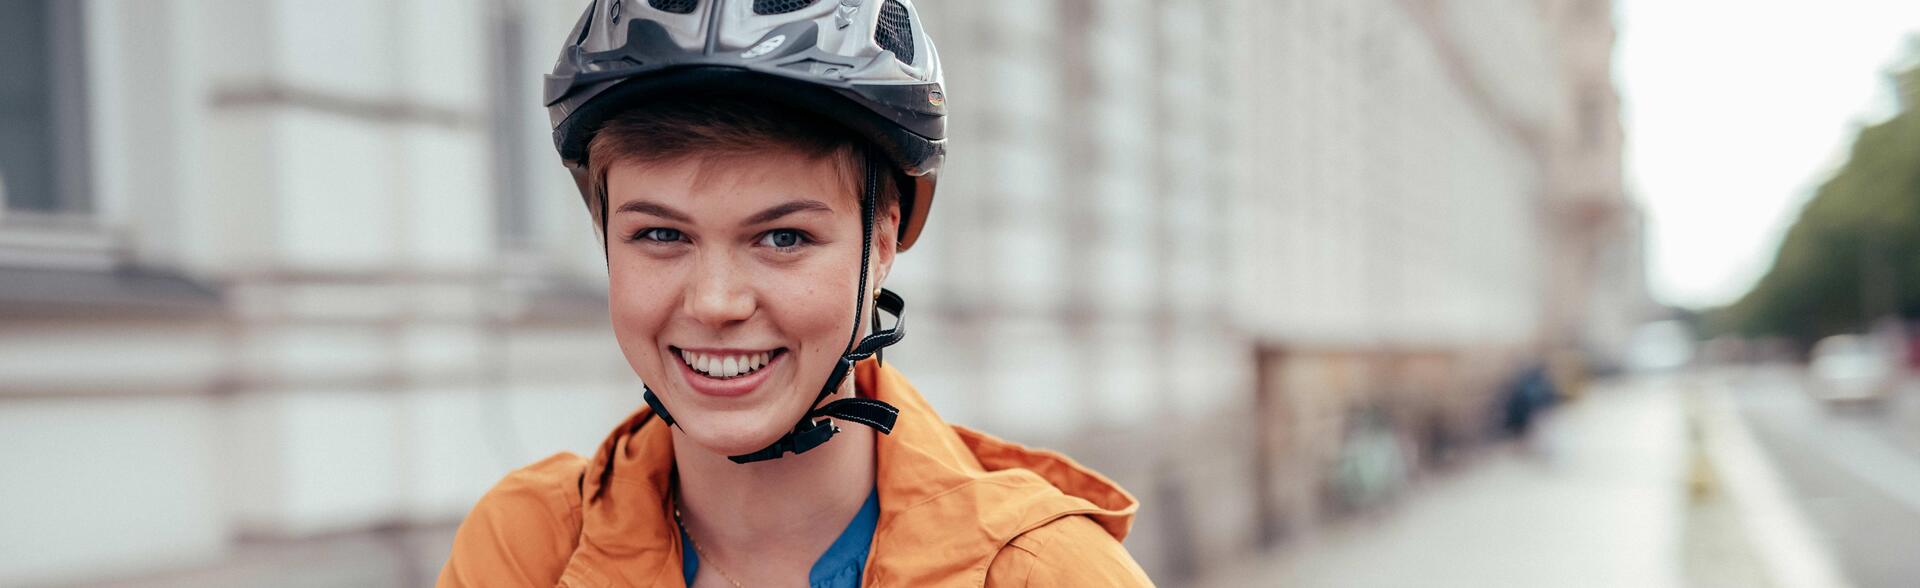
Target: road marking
(1793,554)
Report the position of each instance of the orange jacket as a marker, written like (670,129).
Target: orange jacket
(957,508)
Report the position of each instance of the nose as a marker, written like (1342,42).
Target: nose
(720,295)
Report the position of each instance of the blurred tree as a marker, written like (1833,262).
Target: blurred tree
(1853,256)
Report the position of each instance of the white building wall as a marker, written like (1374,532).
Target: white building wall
(1394,209)
(108,487)
(370,361)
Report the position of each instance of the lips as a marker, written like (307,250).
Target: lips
(726,372)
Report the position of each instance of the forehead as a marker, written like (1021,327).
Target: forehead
(722,182)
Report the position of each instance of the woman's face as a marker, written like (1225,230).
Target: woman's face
(732,286)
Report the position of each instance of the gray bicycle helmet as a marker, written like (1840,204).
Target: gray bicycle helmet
(865,64)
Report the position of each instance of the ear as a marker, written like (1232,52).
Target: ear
(886,244)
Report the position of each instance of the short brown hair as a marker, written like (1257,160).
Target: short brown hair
(698,127)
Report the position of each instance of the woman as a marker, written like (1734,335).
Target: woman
(753,167)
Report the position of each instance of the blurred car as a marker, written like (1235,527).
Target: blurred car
(1853,369)
(1660,346)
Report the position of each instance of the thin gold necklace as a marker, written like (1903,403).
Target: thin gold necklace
(696,544)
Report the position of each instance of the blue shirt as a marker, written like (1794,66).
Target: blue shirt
(839,567)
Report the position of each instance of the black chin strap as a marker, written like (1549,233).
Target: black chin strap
(810,433)
(816,426)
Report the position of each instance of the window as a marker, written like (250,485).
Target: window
(56,254)
(510,114)
(42,135)
(542,228)
(48,214)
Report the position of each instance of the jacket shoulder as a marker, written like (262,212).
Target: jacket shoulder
(1069,551)
(523,530)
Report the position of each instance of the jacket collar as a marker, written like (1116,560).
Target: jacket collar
(950,498)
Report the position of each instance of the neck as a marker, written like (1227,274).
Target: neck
(777,514)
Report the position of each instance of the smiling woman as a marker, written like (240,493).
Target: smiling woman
(751,206)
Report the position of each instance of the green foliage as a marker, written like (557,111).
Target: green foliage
(1854,254)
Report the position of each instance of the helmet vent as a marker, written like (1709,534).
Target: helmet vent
(779,6)
(895,31)
(674,6)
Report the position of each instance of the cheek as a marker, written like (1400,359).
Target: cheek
(815,306)
(639,303)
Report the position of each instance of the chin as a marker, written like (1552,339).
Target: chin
(739,425)
(735,434)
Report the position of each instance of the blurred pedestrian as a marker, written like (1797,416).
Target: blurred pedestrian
(1528,394)
(750,172)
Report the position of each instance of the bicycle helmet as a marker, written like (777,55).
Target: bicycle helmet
(868,65)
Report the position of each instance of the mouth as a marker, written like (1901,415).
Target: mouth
(726,372)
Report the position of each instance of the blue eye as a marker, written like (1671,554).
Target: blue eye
(661,235)
(784,239)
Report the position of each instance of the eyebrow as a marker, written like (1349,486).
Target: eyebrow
(764,216)
(796,206)
(659,210)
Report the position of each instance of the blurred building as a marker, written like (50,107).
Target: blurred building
(305,278)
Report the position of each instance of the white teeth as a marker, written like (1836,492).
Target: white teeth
(725,367)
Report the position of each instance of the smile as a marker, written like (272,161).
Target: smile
(727,365)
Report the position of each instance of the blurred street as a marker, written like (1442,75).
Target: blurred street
(1596,498)
(1721,478)
(1855,471)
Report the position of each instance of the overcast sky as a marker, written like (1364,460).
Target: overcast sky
(1734,111)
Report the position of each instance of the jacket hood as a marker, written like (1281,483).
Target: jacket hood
(950,498)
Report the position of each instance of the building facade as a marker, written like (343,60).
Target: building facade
(299,277)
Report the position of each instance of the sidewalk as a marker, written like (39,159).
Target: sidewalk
(1599,501)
